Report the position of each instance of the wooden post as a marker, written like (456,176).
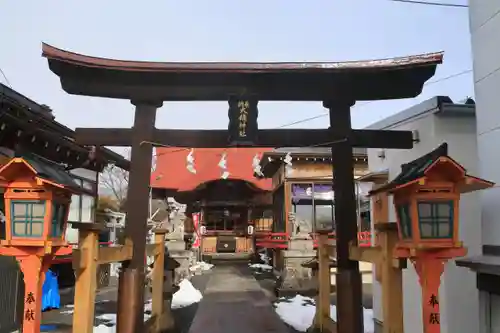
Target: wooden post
(323,305)
(85,266)
(391,274)
(33,270)
(158,281)
(392,280)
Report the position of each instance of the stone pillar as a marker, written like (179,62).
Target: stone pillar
(177,251)
(294,277)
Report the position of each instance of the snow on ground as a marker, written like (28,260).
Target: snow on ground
(299,311)
(202,266)
(110,320)
(186,295)
(264,267)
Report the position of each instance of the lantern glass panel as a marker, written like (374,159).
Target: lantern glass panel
(27,218)
(404,216)
(435,219)
(58,219)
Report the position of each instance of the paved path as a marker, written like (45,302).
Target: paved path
(233,301)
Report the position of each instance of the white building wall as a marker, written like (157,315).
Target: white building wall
(459,311)
(485,27)
(484,19)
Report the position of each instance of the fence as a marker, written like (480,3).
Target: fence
(89,256)
(389,273)
(279,240)
(11,295)
(322,320)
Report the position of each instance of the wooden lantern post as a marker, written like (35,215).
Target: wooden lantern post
(37,198)
(426,197)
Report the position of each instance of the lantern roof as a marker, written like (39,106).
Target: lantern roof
(43,170)
(412,172)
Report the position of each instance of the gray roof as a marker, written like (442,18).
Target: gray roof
(438,105)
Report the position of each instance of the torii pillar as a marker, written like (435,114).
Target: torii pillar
(130,314)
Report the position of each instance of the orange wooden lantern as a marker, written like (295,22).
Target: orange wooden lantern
(426,199)
(37,198)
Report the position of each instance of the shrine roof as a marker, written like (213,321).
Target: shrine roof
(272,160)
(20,113)
(400,77)
(51,171)
(171,172)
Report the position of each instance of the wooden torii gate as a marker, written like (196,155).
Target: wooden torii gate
(148,84)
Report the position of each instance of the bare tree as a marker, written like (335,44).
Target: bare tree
(115,181)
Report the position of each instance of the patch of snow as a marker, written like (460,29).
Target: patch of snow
(110,319)
(264,267)
(264,258)
(104,329)
(71,307)
(186,295)
(201,265)
(299,312)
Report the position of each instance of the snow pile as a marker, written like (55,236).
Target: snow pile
(264,258)
(263,267)
(201,266)
(186,295)
(299,312)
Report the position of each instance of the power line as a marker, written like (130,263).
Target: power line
(320,115)
(431,3)
(5,77)
(366,103)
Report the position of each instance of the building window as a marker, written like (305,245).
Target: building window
(82,208)
(27,218)
(323,214)
(87,208)
(312,206)
(435,219)
(74,209)
(404,217)
(302,207)
(58,218)
(262,218)
(226,219)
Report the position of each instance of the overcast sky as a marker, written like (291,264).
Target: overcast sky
(228,30)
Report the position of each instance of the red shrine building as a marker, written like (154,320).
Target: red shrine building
(219,184)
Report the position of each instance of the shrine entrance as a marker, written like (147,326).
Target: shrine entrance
(337,85)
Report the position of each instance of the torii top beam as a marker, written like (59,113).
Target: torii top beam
(191,81)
